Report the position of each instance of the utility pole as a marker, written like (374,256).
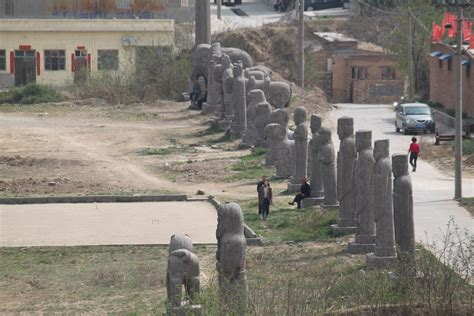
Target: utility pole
(301,42)
(219,7)
(411,81)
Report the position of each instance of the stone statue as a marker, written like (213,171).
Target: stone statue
(255,97)
(403,208)
(278,93)
(316,177)
(214,83)
(300,117)
(231,244)
(384,253)
(364,200)
(262,119)
(281,149)
(183,270)
(227,86)
(239,103)
(281,117)
(327,156)
(346,158)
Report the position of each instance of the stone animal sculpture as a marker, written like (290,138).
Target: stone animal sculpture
(200,58)
(278,93)
(364,203)
(231,246)
(183,271)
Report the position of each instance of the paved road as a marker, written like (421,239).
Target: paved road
(433,191)
(106,223)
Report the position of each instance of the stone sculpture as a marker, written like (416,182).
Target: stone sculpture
(183,270)
(316,173)
(255,97)
(384,253)
(281,149)
(262,119)
(214,83)
(278,93)
(231,245)
(239,103)
(403,208)
(227,80)
(364,200)
(278,116)
(346,158)
(327,156)
(300,136)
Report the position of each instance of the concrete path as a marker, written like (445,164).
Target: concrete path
(433,191)
(106,223)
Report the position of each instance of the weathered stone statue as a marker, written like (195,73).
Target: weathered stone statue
(183,271)
(403,208)
(214,82)
(262,119)
(346,158)
(281,149)
(278,93)
(239,103)
(364,201)
(327,156)
(316,174)
(281,117)
(255,97)
(300,136)
(384,254)
(227,86)
(230,256)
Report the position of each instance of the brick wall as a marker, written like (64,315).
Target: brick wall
(442,81)
(377,91)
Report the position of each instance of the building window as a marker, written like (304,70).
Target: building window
(359,73)
(54,60)
(3,60)
(108,60)
(388,73)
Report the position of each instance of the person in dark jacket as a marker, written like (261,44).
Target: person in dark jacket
(305,192)
(259,185)
(265,199)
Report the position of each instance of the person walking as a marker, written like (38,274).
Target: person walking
(265,196)
(305,192)
(414,152)
(259,185)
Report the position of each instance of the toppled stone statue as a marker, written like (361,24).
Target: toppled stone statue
(327,156)
(281,149)
(346,158)
(403,209)
(300,136)
(183,271)
(316,173)
(239,102)
(255,97)
(365,235)
(262,119)
(384,254)
(231,245)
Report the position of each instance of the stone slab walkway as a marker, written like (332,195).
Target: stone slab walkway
(106,223)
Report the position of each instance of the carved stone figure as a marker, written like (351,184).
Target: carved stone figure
(255,97)
(230,257)
(327,156)
(214,84)
(278,93)
(281,149)
(239,103)
(364,201)
(403,208)
(316,177)
(301,149)
(262,119)
(346,158)
(183,271)
(227,85)
(281,117)
(384,253)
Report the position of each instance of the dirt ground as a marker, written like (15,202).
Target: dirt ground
(92,148)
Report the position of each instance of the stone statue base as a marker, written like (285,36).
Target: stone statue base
(324,205)
(184,310)
(311,202)
(208,108)
(356,248)
(374,262)
(294,187)
(340,231)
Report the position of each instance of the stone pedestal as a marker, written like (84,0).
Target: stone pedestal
(360,248)
(185,310)
(294,188)
(342,230)
(208,108)
(311,201)
(375,262)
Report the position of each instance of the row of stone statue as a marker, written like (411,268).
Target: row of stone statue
(183,267)
(236,89)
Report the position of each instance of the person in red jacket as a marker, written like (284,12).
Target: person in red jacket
(414,152)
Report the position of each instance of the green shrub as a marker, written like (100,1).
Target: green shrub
(467,147)
(30,94)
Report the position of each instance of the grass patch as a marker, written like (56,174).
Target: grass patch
(211,130)
(468,204)
(286,223)
(165,151)
(30,94)
(250,167)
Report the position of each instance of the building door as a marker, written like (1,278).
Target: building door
(25,67)
(81,61)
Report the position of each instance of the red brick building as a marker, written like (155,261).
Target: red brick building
(443,77)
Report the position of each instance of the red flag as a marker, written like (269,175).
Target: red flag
(467,31)
(450,19)
(436,33)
